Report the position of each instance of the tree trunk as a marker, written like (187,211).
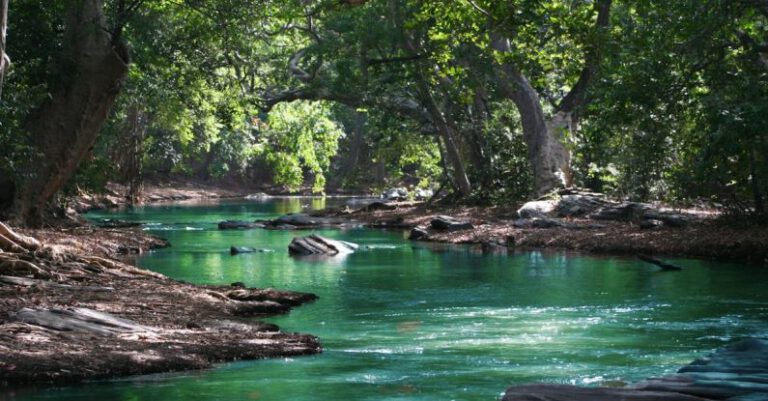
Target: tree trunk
(548,156)
(67,124)
(545,137)
(128,155)
(447,133)
(5,62)
(350,161)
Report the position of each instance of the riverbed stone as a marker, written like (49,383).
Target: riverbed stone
(238,225)
(317,245)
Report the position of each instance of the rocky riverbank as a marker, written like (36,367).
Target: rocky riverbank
(69,313)
(680,233)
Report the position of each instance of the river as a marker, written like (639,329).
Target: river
(406,321)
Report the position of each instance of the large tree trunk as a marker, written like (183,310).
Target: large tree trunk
(548,156)
(66,125)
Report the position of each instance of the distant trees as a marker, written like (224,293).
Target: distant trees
(643,99)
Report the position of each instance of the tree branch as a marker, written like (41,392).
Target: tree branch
(577,95)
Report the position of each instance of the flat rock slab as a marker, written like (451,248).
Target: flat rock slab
(317,245)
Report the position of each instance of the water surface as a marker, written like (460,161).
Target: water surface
(401,321)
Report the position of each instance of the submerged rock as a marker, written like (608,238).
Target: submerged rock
(238,224)
(245,249)
(317,245)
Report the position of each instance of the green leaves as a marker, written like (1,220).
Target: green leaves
(300,137)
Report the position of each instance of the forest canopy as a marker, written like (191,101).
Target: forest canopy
(492,101)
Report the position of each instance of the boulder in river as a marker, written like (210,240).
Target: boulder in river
(448,223)
(317,245)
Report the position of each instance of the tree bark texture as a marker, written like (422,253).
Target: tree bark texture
(127,156)
(447,132)
(67,124)
(548,156)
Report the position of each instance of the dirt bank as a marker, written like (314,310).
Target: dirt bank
(703,236)
(116,195)
(68,314)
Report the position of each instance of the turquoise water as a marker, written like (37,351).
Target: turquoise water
(402,321)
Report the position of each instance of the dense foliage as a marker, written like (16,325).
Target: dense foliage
(647,99)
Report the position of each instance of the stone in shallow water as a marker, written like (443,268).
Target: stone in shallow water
(317,245)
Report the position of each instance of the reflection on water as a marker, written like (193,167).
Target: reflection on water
(402,321)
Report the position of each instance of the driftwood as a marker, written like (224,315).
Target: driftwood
(663,265)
